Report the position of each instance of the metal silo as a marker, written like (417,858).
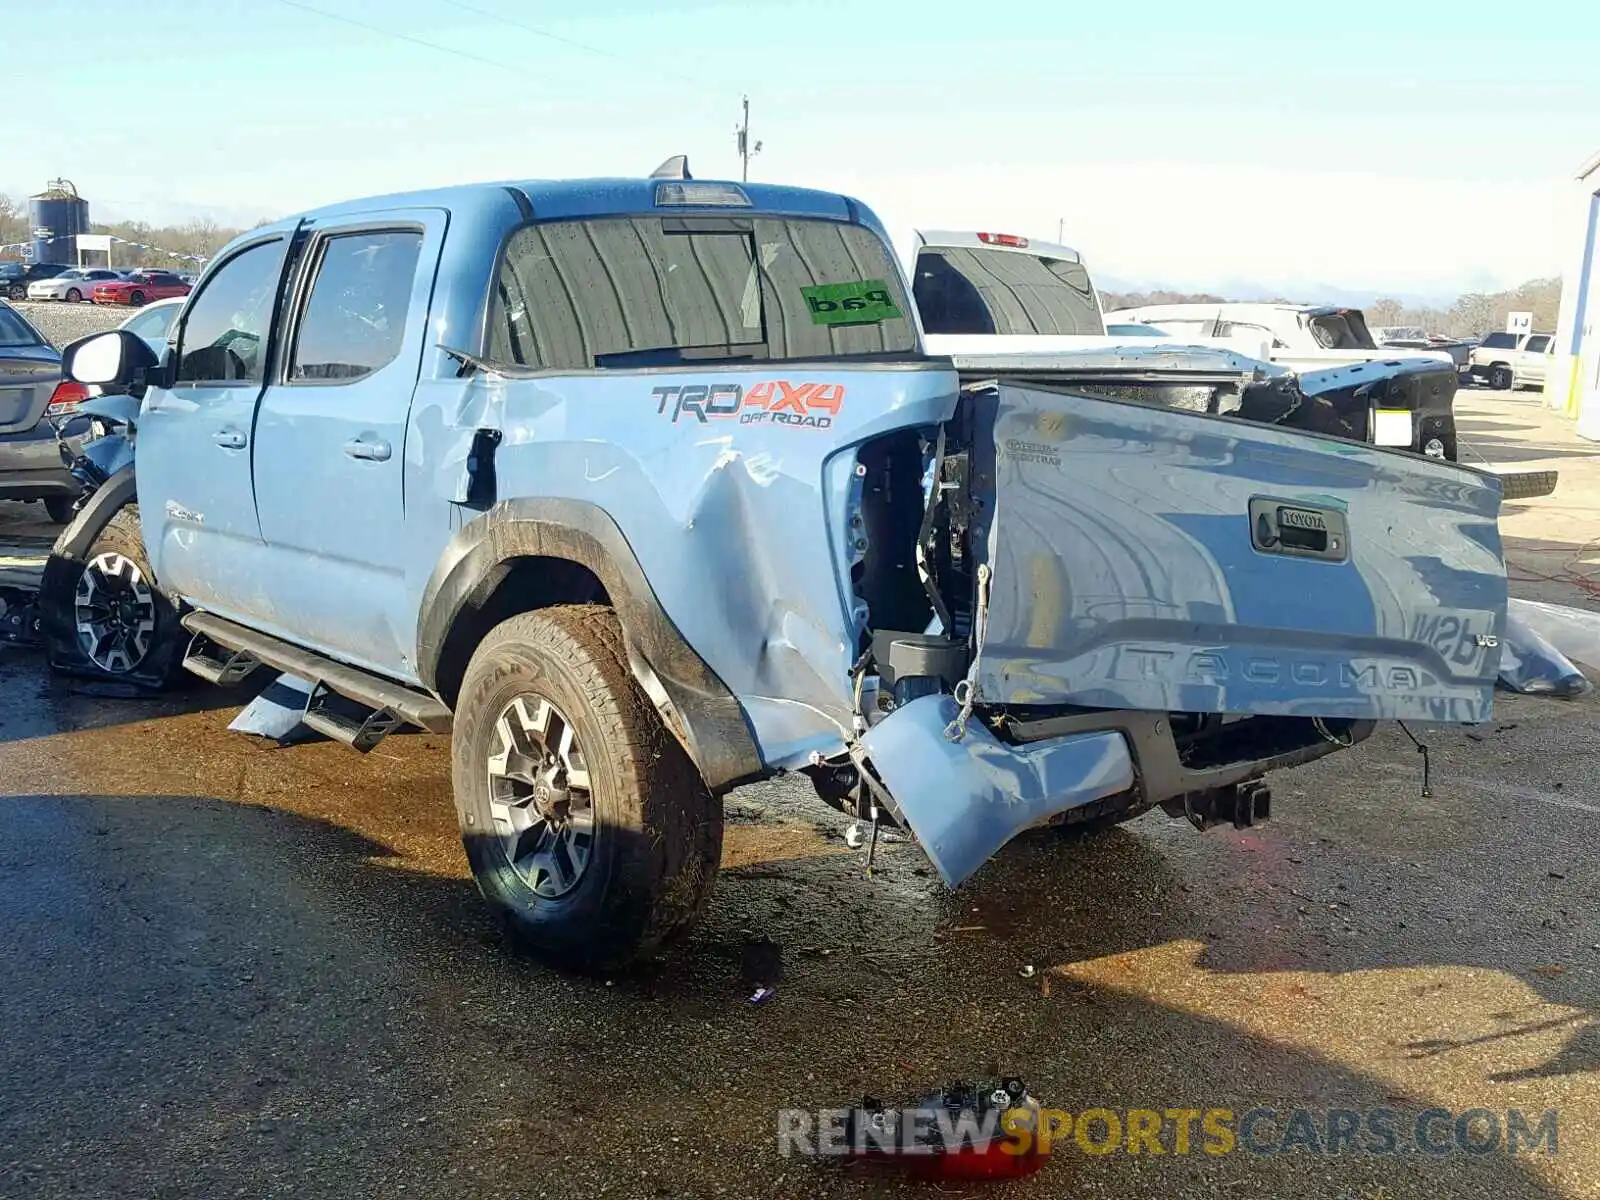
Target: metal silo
(56,216)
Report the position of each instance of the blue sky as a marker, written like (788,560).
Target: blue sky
(1392,146)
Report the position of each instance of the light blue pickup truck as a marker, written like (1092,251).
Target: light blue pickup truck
(645,488)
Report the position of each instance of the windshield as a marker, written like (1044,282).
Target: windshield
(647,291)
(1500,341)
(962,289)
(14,331)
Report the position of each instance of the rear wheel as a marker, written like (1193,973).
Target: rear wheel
(589,831)
(74,295)
(137,299)
(60,508)
(1500,379)
(104,616)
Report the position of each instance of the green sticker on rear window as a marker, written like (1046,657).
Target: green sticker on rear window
(865,302)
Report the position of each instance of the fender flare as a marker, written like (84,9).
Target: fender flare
(116,492)
(695,704)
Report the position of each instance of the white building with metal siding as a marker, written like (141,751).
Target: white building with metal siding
(1573,383)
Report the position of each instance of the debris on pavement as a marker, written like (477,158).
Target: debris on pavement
(275,713)
(1540,642)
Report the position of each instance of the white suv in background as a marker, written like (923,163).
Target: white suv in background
(1507,361)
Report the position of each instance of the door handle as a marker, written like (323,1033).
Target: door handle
(375,451)
(229,439)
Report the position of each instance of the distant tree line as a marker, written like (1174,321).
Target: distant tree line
(1472,314)
(166,243)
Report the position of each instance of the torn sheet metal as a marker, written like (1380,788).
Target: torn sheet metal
(276,711)
(964,800)
(1539,640)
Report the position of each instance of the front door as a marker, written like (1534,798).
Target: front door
(331,438)
(196,507)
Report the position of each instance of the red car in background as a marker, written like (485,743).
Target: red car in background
(140,288)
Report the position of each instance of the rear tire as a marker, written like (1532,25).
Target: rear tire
(588,829)
(60,508)
(137,299)
(1500,379)
(104,617)
(74,295)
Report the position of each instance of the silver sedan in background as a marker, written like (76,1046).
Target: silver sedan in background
(75,284)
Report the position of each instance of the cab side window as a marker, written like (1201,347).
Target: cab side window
(1538,343)
(355,317)
(224,334)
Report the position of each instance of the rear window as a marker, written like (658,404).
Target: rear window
(1341,331)
(1500,341)
(961,289)
(652,291)
(14,331)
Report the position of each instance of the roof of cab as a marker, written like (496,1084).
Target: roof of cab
(568,198)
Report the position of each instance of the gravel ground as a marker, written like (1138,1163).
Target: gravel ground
(63,323)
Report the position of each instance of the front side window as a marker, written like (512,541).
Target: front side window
(224,335)
(963,289)
(355,318)
(1538,344)
(1500,341)
(654,291)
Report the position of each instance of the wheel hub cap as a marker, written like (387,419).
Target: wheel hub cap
(115,613)
(539,796)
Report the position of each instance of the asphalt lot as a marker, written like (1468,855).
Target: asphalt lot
(230,969)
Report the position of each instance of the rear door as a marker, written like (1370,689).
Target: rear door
(196,504)
(1533,356)
(331,438)
(1157,559)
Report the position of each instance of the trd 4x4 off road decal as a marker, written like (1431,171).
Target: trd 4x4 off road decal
(774,402)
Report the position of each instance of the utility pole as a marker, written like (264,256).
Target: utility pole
(742,137)
(1061,230)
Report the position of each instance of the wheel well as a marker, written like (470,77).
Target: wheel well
(517,585)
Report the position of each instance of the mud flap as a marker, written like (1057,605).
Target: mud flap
(964,799)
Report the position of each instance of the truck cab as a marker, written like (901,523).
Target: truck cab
(645,488)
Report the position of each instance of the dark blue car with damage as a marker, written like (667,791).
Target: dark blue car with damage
(644,488)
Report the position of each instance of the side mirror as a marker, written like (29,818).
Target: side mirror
(117,359)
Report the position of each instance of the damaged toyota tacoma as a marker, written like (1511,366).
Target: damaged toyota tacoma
(646,488)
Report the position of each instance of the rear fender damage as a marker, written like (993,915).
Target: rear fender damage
(1126,652)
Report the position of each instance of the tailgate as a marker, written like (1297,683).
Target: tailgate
(26,383)
(1152,558)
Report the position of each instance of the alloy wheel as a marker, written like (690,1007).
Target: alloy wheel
(115,611)
(540,797)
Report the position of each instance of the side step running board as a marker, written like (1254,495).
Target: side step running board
(218,664)
(391,703)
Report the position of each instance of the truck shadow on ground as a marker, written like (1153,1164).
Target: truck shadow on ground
(39,703)
(274,995)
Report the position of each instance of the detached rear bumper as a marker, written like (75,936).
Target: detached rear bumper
(965,799)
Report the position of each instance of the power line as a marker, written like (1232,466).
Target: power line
(565,41)
(404,37)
